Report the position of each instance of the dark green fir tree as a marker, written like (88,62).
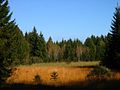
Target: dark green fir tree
(112,54)
(6,28)
(13,47)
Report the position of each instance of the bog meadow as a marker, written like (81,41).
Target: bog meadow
(29,62)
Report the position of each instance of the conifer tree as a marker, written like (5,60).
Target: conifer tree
(112,55)
(37,45)
(33,40)
(13,47)
(6,28)
(42,46)
(19,48)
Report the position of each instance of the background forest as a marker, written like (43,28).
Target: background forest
(17,48)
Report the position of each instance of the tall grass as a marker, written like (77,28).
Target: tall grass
(66,75)
(71,64)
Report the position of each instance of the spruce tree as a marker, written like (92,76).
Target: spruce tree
(6,28)
(37,46)
(33,39)
(112,55)
(42,46)
(19,48)
(13,46)
(69,51)
(89,42)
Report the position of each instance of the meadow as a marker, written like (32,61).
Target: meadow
(67,74)
(66,64)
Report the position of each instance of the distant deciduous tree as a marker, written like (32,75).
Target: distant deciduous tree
(53,50)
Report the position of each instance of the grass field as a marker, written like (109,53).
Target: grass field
(67,64)
(68,73)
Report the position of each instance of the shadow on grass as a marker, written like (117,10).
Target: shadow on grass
(39,87)
(90,85)
(83,66)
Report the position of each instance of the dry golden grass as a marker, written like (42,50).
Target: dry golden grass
(116,76)
(66,75)
(26,75)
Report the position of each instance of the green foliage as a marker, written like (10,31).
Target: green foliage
(13,46)
(99,73)
(4,73)
(37,44)
(19,48)
(6,31)
(54,75)
(66,50)
(96,47)
(112,54)
(74,50)
(35,59)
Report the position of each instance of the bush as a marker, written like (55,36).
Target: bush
(99,73)
(54,75)
(37,78)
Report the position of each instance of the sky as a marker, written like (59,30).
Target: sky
(64,19)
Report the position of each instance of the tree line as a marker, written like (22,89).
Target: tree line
(66,50)
(17,48)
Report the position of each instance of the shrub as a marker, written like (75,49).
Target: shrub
(37,78)
(54,75)
(99,73)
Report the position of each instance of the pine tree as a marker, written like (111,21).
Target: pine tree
(42,46)
(112,55)
(100,48)
(90,43)
(19,48)
(6,29)
(33,40)
(69,51)
(37,46)
(13,46)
